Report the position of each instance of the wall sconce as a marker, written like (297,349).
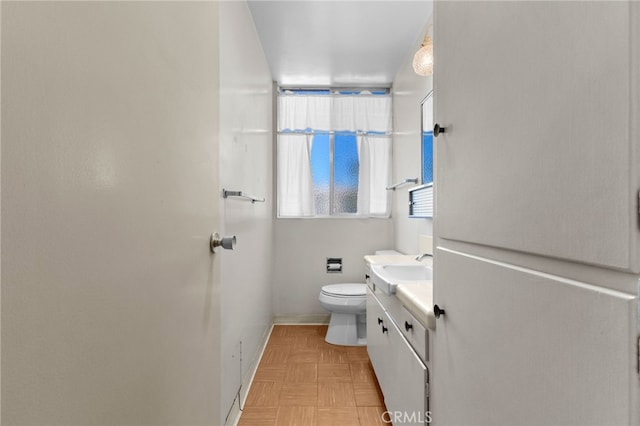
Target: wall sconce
(423,59)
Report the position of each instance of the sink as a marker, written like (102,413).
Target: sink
(407,272)
(387,277)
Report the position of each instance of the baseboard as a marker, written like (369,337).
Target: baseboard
(302,319)
(234,415)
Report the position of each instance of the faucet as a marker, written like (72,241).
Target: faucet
(422,256)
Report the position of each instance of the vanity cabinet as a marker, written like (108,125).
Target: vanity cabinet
(402,375)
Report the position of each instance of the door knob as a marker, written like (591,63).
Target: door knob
(437,130)
(228,243)
(437,311)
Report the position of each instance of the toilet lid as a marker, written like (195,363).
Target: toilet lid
(349,289)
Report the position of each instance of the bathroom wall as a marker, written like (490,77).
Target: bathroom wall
(409,89)
(110,309)
(245,165)
(301,249)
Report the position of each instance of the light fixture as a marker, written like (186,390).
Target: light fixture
(423,59)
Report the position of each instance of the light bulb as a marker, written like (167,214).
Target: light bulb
(423,59)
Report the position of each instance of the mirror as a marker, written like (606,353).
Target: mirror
(427,138)
(421,197)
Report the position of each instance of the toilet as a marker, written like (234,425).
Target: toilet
(348,306)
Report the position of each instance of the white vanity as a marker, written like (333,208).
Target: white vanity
(399,317)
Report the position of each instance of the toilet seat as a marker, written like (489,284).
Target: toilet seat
(345,290)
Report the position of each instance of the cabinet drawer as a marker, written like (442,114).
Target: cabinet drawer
(414,332)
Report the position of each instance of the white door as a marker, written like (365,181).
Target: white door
(540,102)
(109,195)
(538,166)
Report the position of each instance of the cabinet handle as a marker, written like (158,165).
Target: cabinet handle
(379,320)
(366,277)
(437,311)
(437,130)
(407,326)
(384,329)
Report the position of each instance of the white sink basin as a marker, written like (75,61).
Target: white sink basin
(387,277)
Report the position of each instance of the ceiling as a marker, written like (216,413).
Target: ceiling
(339,43)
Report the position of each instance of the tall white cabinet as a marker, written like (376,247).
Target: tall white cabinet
(536,222)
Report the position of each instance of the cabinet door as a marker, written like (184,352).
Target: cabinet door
(377,340)
(540,101)
(405,396)
(517,346)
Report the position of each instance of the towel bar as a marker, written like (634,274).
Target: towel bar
(227,193)
(406,181)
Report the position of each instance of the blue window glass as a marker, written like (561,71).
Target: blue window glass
(427,157)
(345,173)
(308,91)
(338,195)
(321,172)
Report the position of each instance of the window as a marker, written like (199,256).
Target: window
(334,153)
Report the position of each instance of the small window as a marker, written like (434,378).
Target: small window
(334,153)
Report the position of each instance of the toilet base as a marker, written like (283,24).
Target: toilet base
(347,330)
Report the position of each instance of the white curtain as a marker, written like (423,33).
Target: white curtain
(365,113)
(295,182)
(374,153)
(341,113)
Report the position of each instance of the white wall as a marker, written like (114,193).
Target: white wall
(301,249)
(409,89)
(110,310)
(245,165)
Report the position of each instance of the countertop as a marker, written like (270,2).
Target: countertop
(416,296)
(374,259)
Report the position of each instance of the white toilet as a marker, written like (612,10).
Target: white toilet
(348,306)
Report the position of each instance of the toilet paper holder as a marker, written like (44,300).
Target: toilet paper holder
(228,243)
(334,265)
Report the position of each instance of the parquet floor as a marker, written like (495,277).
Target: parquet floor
(302,380)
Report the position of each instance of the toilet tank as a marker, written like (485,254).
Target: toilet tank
(388,253)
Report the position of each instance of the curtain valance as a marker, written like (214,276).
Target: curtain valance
(371,113)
